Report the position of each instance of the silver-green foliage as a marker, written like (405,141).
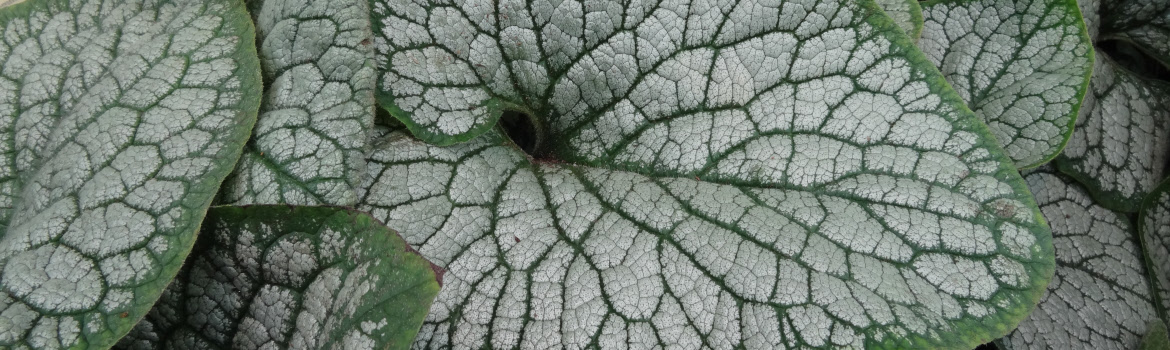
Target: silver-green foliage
(725,174)
(1111,277)
(264,277)
(118,120)
(309,144)
(1120,143)
(1100,297)
(754,174)
(1022,66)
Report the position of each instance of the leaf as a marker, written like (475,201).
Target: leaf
(1154,225)
(545,255)
(1090,13)
(1155,338)
(1145,22)
(1099,297)
(745,176)
(907,14)
(284,277)
(309,143)
(121,119)
(1022,65)
(1120,143)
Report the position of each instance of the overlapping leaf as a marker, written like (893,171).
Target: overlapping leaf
(309,143)
(907,14)
(1100,297)
(1120,144)
(754,174)
(1021,65)
(1154,223)
(1145,22)
(1120,140)
(119,121)
(279,277)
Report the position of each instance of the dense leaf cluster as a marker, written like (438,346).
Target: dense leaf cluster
(536,174)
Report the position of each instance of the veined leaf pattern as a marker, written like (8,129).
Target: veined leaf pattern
(1023,66)
(310,139)
(723,174)
(1100,297)
(282,277)
(120,121)
(1154,224)
(1120,143)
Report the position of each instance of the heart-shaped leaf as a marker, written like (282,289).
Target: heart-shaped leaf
(706,174)
(280,277)
(544,255)
(309,143)
(1021,65)
(120,121)
(1100,296)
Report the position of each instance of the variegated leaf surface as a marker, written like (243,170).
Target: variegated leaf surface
(309,144)
(119,121)
(285,277)
(1100,297)
(1023,66)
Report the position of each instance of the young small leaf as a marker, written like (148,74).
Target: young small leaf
(309,143)
(1021,65)
(280,277)
(1100,297)
(120,121)
(1120,144)
(907,14)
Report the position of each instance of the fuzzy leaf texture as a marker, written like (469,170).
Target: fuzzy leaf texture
(283,277)
(1100,297)
(120,121)
(1023,66)
(310,139)
(721,174)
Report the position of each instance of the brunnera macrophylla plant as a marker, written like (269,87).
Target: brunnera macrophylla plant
(583,174)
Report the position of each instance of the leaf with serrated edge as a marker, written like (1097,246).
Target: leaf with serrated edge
(285,277)
(309,143)
(1154,225)
(1120,143)
(121,119)
(754,174)
(1100,297)
(907,14)
(1021,65)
